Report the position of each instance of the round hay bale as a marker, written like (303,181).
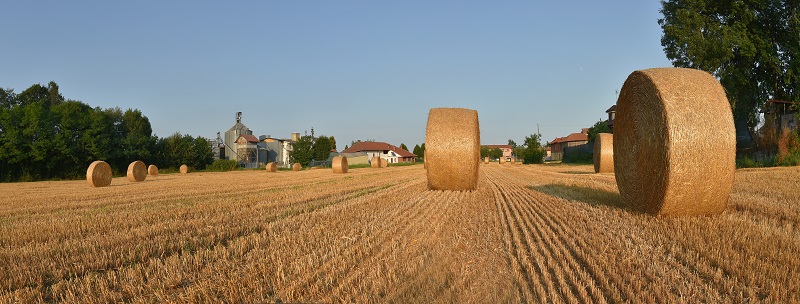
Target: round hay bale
(184,169)
(453,141)
(339,164)
(99,174)
(604,153)
(486,160)
(384,163)
(675,142)
(513,161)
(297,167)
(375,162)
(137,171)
(502,160)
(272,167)
(152,170)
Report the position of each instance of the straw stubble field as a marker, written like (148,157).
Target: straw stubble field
(527,234)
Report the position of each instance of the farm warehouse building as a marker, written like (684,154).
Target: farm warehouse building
(392,154)
(575,139)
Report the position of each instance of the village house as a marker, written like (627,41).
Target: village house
(507,150)
(612,113)
(392,154)
(558,145)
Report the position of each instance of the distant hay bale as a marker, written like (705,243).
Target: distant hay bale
(152,170)
(675,144)
(384,163)
(137,171)
(486,160)
(604,153)
(99,174)
(272,167)
(184,169)
(339,164)
(452,140)
(376,162)
(297,167)
(502,160)
(512,161)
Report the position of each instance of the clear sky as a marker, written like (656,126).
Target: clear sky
(351,69)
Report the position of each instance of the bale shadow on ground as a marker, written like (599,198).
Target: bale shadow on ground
(585,195)
(576,172)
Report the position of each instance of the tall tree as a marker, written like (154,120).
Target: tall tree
(752,47)
(598,127)
(512,144)
(403,146)
(534,154)
(301,151)
(321,148)
(417,150)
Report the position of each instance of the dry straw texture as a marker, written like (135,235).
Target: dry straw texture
(297,166)
(453,144)
(272,167)
(137,171)
(513,161)
(339,164)
(604,153)
(184,169)
(99,174)
(384,163)
(502,160)
(152,170)
(675,142)
(486,160)
(375,162)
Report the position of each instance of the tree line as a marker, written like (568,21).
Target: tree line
(45,136)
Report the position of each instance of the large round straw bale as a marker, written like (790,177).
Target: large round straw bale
(152,170)
(384,163)
(604,153)
(272,167)
(675,142)
(184,169)
(137,171)
(453,141)
(375,162)
(99,174)
(486,160)
(339,164)
(502,160)
(297,167)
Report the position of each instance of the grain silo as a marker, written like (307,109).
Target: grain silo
(232,134)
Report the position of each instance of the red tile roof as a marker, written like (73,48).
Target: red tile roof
(498,146)
(378,146)
(572,137)
(249,138)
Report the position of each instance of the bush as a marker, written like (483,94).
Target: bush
(533,156)
(579,157)
(221,165)
(788,150)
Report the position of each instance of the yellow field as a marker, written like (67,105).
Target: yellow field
(528,234)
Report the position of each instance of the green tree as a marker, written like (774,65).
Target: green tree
(484,151)
(137,141)
(321,148)
(599,127)
(752,47)
(403,146)
(301,151)
(333,143)
(534,154)
(421,151)
(512,144)
(495,153)
(201,154)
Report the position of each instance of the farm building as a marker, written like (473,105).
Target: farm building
(612,113)
(231,137)
(781,115)
(507,150)
(558,145)
(392,154)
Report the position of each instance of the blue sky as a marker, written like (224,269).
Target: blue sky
(351,69)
